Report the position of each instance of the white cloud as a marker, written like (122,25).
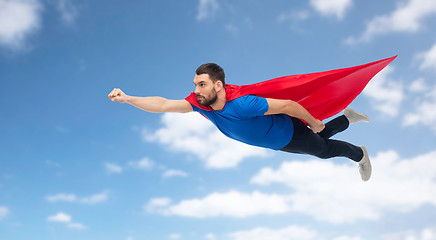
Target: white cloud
(174,173)
(18,20)
(62,197)
(206,9)
(233,203)
(76,226)
(385,93)
(210,236)
(68,11)
(288,233)
(324,190)
(60,217)
(423,112)
(143,164)
(335,8)
(174,236)
(418,85)
(4,211)
(428,58)
(113,168)
(65,218)
(334,193)
(93,199)
(424,234)
(408,17)
(156,205)
(96,198)
(192,133)
(347,238)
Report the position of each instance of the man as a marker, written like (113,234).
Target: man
(265,122)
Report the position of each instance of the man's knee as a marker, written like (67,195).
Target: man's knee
(324,154)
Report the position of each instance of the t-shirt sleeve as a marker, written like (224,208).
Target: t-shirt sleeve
(254,106)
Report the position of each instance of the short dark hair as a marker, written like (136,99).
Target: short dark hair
(214,71)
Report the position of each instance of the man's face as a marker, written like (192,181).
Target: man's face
(205,90)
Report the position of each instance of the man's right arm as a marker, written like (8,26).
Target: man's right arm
(151,104)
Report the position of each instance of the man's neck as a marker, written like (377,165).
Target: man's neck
(220,102)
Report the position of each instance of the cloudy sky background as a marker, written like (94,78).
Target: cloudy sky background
(74,165)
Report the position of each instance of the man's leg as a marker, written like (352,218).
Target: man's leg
(342,122)
(334,126)
(305,141)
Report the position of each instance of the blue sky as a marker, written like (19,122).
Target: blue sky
(74,165)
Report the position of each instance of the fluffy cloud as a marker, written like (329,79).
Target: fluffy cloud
(192,133)
(157,205)
(233,203)
(174,173)
(386,94)
(428,58)
(408,17)
(207,8)
(288,233)
(67,11)
(60,217)
(335,8)
(93,199)
(210,236)
(325,190)
(423,112)
(143,164)
(65,218)
(174,236)
(4,211)
(418,86)
(113,168)
(62,197)
(424,234)
(96,198)
(18,20)
(322,189)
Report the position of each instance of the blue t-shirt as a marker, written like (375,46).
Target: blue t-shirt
(244,119)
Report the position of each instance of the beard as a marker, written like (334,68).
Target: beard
(209,100)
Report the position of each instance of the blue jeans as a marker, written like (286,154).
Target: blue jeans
(304,141)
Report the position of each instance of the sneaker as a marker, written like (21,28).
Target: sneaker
(354,116)
(365,167)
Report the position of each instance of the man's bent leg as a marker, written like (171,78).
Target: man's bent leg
(305,141)
(335,126)
(342,122)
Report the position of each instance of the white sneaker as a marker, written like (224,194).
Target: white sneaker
(365,167)
(354,116)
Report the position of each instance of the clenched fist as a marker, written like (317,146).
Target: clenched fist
(317,126)
(118,96)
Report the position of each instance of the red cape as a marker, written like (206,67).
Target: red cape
(323,94)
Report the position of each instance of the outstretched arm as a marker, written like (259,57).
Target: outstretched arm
(151,104)
(294,109)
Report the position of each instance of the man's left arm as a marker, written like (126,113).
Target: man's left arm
(294,109)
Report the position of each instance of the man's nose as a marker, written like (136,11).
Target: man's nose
(197,90)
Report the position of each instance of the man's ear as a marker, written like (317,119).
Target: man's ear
(218,85)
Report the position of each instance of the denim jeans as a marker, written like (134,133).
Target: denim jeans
(304,141)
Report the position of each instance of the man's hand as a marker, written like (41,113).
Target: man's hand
(118,96)
(317,126)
